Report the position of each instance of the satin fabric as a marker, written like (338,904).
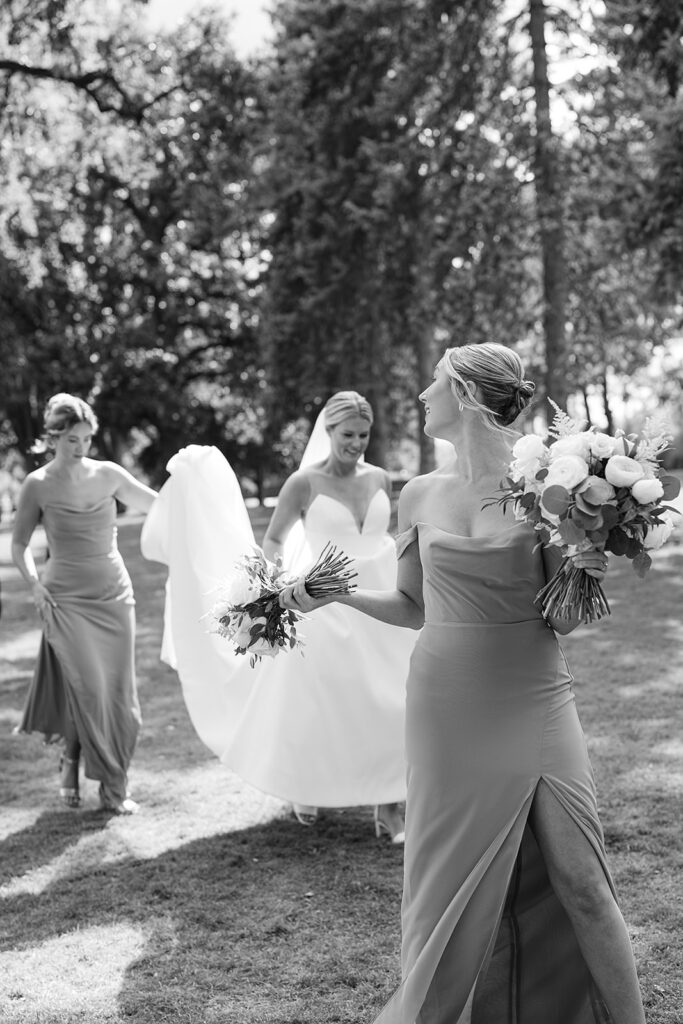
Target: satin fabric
(324,727)
(490,712)
(85,672)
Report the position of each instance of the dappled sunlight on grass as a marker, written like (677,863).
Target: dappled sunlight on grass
(17,819)
(75,973)
(213,906)
(176,808)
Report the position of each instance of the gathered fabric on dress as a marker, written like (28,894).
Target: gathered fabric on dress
(84,679)
(324,727)
(490,713)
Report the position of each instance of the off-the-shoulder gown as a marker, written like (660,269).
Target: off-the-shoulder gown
(325,727)
(85,672)
(490,713)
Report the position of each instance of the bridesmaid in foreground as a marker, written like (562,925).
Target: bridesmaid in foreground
(83,689)
(509,913)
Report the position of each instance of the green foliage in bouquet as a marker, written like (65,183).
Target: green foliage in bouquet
(586,490)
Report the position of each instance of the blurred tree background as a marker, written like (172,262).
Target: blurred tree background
(206,246)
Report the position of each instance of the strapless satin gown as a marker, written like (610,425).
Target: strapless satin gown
(85,672)
(325,727)
(490,712)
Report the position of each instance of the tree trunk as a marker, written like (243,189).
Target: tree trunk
(375,390)
(609,416)
(425,360)
(550,214)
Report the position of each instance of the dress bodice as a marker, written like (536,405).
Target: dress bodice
(74,534)
(478,579)
(329,519)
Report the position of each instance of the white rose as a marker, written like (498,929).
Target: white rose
(528,447)
(524,469)
(602,445)
(647,490)
(623,471)
(573,444)
(239,590)
(660,533)
(567,471)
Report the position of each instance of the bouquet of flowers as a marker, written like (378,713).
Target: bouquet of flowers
(586,490)
(248,613)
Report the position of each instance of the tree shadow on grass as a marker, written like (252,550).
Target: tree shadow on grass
(272,923)
(51,835)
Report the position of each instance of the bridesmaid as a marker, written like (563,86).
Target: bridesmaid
(509,913)
(83,689)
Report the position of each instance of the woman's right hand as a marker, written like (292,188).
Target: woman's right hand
(296,598)
(42,597)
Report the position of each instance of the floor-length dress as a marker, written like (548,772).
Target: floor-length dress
(490,713)
(325,727)
(85,673)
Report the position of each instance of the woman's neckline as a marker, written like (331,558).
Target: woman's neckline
(360,526)
(465,536)
(79,508)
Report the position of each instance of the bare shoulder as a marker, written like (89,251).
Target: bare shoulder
(379,475)
(297,487)
(411,499)
(34,484)
(102,468)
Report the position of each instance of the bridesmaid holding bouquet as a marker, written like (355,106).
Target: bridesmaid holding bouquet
(509,914)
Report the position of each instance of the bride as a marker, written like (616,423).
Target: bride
(325,729)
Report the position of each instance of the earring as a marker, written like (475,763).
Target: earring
(460,406)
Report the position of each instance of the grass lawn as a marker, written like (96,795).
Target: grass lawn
(213,906)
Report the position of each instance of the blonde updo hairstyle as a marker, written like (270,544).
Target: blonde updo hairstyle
(62,412)
(345,404)
(498,373)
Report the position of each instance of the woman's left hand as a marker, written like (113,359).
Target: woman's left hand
(593,562)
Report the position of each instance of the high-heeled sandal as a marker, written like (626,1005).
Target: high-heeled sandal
(396,835)
(305,815)
(69,795)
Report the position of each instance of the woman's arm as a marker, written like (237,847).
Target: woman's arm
(594,563)
(26,519)
(400,607)
(291,505)
(403,606)
(128,490)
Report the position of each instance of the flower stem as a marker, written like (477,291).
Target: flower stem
(572,591)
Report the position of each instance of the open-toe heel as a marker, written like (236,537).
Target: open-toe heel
(69,795)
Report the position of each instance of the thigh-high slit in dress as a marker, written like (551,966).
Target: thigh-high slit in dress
(84,680)
(490,713)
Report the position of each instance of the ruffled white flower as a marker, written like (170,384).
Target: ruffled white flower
(529,455)
(573,444)
(239,590)
(660,533)
(529,446)
(623,471)
(602,446)
(566,471)
(647,490)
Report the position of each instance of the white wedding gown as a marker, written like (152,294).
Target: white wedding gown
(325,728)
